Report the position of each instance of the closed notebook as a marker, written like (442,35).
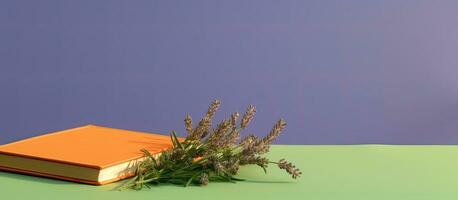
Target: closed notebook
(89,154)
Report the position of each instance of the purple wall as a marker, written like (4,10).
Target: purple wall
(338,71)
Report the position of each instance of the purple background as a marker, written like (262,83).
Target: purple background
(339,72)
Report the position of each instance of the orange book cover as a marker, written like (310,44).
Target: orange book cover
(89,154)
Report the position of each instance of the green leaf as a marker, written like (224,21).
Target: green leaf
(126,184)
(175,141)
(149,155)
(190,179)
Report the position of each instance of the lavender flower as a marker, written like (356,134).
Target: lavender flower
(203,179)
(248,116)
(289,167)
(188,124)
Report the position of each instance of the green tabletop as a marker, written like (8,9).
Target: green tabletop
(353,172)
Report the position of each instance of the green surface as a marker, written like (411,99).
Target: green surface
(353,172)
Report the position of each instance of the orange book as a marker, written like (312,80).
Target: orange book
(89,154)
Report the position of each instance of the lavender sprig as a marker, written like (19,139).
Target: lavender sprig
(208,154)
